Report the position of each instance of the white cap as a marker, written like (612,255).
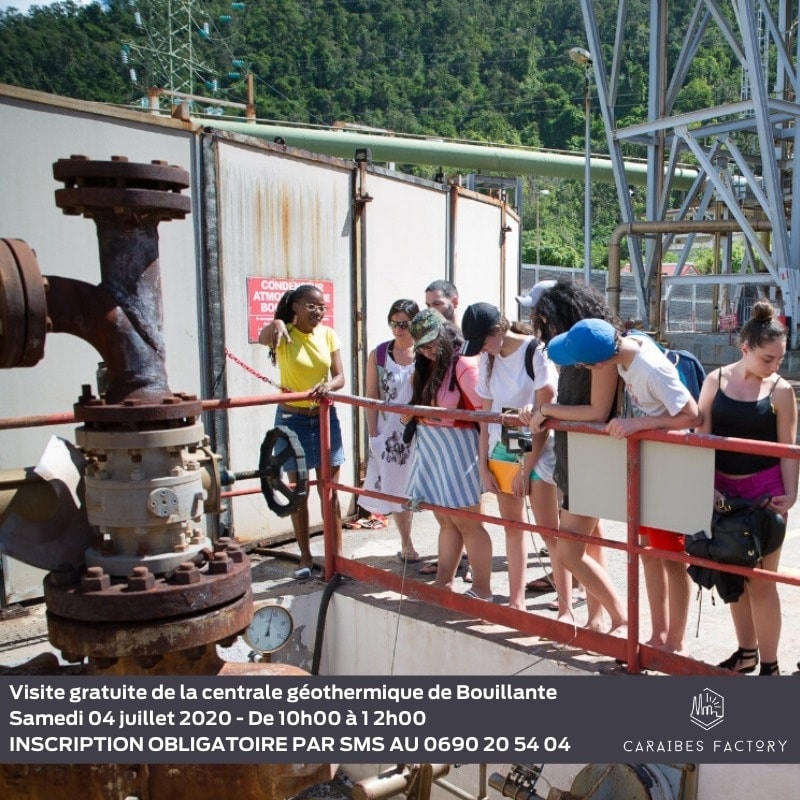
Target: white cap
(534,293)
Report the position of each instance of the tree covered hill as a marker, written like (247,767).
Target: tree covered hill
(489,70)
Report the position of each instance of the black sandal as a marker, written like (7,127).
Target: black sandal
(743,661)
(769,668)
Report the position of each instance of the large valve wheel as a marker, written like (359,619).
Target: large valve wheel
(282,498)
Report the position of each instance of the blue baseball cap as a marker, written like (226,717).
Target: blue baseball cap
(589,341)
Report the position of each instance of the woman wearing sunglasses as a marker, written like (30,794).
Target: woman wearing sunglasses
(390,367)
(308,355)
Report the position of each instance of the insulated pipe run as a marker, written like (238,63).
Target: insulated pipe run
(680,226)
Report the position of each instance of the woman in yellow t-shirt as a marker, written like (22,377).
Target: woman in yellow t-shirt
(309,357)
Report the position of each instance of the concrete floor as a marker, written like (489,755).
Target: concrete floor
(709,636)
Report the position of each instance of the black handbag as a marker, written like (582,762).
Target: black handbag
(742,532)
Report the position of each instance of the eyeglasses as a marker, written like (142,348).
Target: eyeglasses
(402,324)
(312,307)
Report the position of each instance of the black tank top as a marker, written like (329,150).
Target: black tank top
(744,419)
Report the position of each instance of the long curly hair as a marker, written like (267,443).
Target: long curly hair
(566,303)
(284,311)
(429,375)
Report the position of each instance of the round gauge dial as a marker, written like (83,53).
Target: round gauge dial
(270,628)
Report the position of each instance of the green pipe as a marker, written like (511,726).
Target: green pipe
(441,153)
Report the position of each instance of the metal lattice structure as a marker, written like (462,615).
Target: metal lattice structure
(167,42)
(743,150)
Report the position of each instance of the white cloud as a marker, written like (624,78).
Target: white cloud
(23,7)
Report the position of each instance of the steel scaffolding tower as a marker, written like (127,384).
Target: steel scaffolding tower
(744,149)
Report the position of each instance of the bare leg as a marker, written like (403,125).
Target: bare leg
(595,620)
(679,589)
(587,570)
(337,512)
(655,581)
(544,502)
(300,527)
(510,508)
(449,551)
(765,611)
(403,521)
(479,549)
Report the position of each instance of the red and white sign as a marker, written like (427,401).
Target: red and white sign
(728,322)
(263,295)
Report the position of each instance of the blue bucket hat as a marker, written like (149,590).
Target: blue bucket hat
(589,341)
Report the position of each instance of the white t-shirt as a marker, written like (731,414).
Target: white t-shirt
(652,383)
(509,385)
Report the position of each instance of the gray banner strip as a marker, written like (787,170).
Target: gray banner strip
(375,719)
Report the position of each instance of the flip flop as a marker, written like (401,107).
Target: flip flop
(429,569)
(543,584)
(375,522)
(407,559)
(302,574)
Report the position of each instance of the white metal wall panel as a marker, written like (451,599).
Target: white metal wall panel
(406,245)
(510,284)
(286,217)
(35,136)
(478,268)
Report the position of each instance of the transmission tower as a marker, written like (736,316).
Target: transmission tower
(172,42)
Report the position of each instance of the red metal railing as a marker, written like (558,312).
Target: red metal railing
(637,655)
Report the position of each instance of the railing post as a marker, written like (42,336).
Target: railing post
(634,448)
(331,536)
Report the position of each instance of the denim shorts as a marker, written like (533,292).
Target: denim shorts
(306,429)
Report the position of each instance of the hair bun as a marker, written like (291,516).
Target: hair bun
(763,312)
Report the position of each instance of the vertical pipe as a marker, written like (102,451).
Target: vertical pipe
(587,202)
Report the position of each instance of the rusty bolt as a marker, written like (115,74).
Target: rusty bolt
(194,653)
(219,564)
(71,658)
(222,543)
(95,580)
(149,661)
(141,579)
(186,573)
(103,663)
(65,575)
(120,158)
(235,553)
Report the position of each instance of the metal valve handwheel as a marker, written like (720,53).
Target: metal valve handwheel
(282,498)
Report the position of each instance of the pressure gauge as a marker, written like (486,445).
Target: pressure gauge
(270,628)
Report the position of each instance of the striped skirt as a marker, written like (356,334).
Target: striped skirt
(445,469)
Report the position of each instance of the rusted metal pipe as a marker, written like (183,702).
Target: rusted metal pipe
(679,226)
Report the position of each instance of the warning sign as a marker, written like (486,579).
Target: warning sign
(263,294)
(728,322)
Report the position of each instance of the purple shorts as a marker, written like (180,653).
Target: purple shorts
(768,481)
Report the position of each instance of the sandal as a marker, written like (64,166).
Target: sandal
(431,568)
(408,558)
(578,599)
(302,574)
(475,596)
(543,584)
(769,668)
(742,660)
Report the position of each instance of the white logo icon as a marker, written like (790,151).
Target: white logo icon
(708,709)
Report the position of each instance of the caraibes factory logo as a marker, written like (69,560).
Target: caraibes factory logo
(708,709)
